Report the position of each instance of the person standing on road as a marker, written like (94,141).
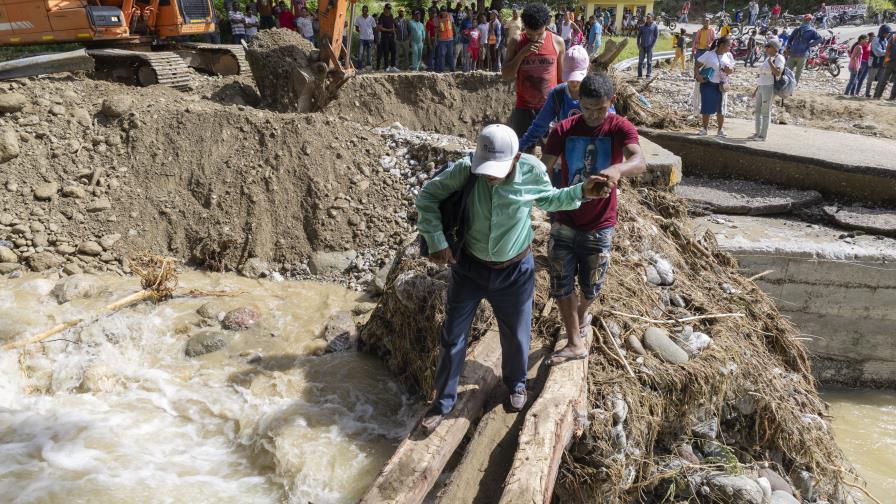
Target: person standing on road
(754,12)
(595,34)
(889,68)
(415,34)
(799,43)
(685,9)
(703,40)
(712,72)
(365,25)
(495,260)
(594,142)
(878,51)
(237,24)
(648,34)
(533,60)
(402,40)
(445,36)
(679,42)
(386,28)
(857,67)
(764,94)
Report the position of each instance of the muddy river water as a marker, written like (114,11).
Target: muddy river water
(120,414)
(123,416)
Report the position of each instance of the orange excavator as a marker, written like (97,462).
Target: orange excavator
(141,41)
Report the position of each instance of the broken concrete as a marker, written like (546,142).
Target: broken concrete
(839,293)
(871,220)
(742,197)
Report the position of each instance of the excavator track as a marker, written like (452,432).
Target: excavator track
(142,68)
(216,59)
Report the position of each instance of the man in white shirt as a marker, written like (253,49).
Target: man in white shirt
(365,25)
(251,23)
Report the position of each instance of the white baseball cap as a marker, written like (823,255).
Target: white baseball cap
(575,63)
(496,149)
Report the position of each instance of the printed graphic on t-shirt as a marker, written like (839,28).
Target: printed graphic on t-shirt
(586,156)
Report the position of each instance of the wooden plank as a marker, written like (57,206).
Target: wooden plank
(558,414)
(419,460)
(489,454)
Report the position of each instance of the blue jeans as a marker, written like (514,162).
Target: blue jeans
(645,53)
(863,72)
(582,254)
(510,292)
(446,52)
(366,47)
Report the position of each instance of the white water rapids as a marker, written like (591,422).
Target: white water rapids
(123,416)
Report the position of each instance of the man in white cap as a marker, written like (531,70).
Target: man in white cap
(495,261)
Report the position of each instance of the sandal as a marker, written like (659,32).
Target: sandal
(563,356)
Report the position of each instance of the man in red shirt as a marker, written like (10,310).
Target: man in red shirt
(592,143)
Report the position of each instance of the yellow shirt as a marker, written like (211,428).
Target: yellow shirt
(724,31)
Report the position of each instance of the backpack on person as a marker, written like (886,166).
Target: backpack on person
(452,209)
(785,85)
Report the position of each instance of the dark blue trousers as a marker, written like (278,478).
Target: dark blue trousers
(509,291)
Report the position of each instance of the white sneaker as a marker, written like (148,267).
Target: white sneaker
(702,132)
(721,134)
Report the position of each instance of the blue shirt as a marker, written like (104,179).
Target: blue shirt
(802,39)
(550,113)
(594,35)
(647,35)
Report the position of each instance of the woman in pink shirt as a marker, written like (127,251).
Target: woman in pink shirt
(858,65)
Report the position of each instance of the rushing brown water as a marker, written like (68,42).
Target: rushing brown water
(865,427)
(121,415)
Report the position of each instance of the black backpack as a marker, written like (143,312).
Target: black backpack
(452,209)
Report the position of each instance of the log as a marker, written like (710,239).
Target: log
(559,413)
(419,460)
(490,452)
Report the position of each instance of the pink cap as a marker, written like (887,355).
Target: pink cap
(575,63)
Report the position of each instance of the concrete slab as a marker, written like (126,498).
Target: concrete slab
(743,197)
(839,293)
(835,164)
(872,220)
(663,166)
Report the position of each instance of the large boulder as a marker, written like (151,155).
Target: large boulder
(340,332)
(42,261)
(117,106)
(205,342)
(735,489)
(8,256)
(254,267)
(330,263)
(240,319)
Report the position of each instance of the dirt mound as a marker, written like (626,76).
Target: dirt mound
(286,70)
(668,431)
(452,104)
(179,175)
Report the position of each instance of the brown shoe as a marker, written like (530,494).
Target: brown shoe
(431,421)
(518,400)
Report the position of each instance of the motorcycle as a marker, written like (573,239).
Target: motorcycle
(787,20)
(741,52)
(823,60)
(845,18)
(668,20)
(834,47)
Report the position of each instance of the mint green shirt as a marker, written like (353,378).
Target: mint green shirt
(499,224)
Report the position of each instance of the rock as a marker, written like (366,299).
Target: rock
(6,219)
(108,241)
(653,275)
(205,342)
(706,425)
(379,280)
(686,452)
(240,319)
(42,261)
(8,267)
(694,343)
(65,249)
(40,239)
(76,192)
(735,489)
(664,270)
(213,310)
(12,102)
(362,308)
(90,248)
(766,489)
(659,342)
(677,301)
(57,110)
(329,263)
(9,146)
(116,106)
(72,269)
(777,482)
(781,497)
(804,482)
(254,267)
(44,192)
(74,287)
(8,256)
(99,204)
(341,332)
(634,343)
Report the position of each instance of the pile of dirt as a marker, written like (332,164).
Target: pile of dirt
(737,400)
(287,72)
(129,169)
